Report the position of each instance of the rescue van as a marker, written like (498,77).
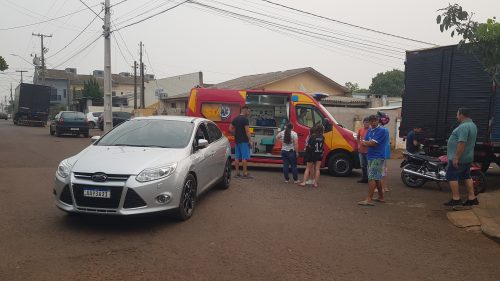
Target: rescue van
(270,112)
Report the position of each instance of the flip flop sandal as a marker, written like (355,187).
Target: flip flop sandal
(378,200)
(365,203)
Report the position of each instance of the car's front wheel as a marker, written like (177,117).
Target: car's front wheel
(91,125)
(188,199)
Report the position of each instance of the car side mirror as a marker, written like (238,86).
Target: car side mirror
(94,139)
(202,143)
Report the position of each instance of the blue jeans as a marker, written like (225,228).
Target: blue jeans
(363,161)
(290,159)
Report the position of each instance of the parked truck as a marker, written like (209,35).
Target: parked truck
(438,82)
(31,105)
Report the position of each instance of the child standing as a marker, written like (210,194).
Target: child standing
(314,154)
(289,152)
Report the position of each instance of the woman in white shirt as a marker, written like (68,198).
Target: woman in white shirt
(289,152)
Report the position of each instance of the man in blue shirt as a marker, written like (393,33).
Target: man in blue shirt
(375,140)
(413,140)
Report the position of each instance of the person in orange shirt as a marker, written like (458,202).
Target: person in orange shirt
(363,150)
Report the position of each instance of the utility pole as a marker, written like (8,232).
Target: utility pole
(11,102)
(142,77)
(135,84)
(21,74)
(43,54)
(108,115)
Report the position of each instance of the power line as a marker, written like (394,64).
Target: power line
(142,13)
(118,45)
(154,15)
(79,51)
(386,47)
(73,40)
(118,3)
(49,20)
(348,24)
(332,39)
(90,9)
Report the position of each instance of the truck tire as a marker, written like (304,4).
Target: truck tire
(340,164)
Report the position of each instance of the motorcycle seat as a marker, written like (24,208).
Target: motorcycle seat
(426,158)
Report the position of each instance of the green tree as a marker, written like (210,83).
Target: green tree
(3,64)
(353,87)
(484,38)
(91,89)
(390,83)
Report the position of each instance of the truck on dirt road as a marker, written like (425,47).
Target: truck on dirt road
(31,105)
(438,81)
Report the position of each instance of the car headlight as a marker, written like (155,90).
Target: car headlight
(64,169)
(156,173)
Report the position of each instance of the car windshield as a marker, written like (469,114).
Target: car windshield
(73,115)
(149,133)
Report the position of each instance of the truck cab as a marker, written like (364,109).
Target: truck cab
(270,112)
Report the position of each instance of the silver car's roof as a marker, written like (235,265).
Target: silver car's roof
(173,118)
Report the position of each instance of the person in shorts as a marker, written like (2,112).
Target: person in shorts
(363,150)
(314,155)
(460,152)
(240,129)
(375,140)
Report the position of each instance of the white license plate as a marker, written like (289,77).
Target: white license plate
(74,129)
(97,193)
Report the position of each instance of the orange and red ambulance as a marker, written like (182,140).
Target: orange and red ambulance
(270,112)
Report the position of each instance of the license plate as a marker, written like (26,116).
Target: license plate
(97,193)
(74,129)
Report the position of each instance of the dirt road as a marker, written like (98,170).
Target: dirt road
(260,229)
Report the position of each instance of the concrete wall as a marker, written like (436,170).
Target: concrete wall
(351,118)
(305,82)
(173,86)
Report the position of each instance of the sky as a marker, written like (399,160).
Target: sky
(255,37)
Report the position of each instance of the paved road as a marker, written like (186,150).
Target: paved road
(260,229)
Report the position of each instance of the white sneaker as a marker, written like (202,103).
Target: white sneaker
(310,182)
(285,181)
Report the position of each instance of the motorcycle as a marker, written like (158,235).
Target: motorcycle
(419,169)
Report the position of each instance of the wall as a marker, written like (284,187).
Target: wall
(173,86)
(60,85)
(351,118)
(305,82)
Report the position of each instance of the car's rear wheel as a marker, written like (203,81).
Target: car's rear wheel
(58,134)
(91,125)
(225,181)
(188,199)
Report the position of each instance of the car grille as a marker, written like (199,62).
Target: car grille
(66,196)
(110,203)
(133,200)
(110,177)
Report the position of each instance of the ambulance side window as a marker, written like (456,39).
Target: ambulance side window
(308,116)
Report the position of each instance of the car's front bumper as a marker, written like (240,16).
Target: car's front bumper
(128,196)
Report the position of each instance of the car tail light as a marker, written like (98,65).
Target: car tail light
(61,121)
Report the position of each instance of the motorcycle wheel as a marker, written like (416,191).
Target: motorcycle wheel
(411,181)
(479,181)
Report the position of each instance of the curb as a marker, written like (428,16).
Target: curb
(489,226)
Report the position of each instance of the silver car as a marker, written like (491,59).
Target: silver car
(147,164)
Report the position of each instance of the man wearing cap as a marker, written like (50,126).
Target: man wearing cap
(375,140)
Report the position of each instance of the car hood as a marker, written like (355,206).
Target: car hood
(124,160)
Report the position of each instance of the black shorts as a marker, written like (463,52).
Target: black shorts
(312,157)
